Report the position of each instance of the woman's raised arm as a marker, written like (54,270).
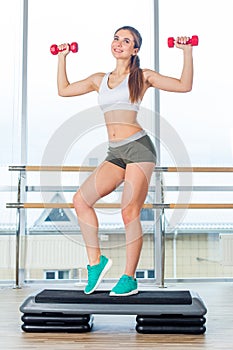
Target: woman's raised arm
(184,84)
(67,89)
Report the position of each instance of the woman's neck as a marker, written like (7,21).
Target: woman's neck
(122,68)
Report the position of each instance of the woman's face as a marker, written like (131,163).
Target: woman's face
(123,45)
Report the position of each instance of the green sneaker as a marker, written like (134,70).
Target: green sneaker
(96,274)
(126,285)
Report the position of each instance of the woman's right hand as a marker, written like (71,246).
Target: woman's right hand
(181,43)
(64,49)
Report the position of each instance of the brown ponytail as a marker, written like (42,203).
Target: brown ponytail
(136,75)
(135,79)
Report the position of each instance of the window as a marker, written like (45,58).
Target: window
(85,141)
(9,130)
(145,274)
(57,275)
(202,121)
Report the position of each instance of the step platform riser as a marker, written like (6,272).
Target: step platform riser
(175,312)
(170,330)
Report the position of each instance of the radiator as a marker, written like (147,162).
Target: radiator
(226,248)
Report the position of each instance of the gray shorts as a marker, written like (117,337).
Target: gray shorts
(128,151)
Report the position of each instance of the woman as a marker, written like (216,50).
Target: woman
(131,155)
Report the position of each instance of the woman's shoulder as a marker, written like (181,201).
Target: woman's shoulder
(147,72)
(97,77)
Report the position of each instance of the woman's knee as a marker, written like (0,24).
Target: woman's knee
(130,213)
(79,203)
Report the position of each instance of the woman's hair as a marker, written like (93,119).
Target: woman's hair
(136,75)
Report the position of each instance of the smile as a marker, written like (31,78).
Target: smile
(118,50)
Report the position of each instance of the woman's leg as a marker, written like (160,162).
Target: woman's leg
(101,182)
(137,180)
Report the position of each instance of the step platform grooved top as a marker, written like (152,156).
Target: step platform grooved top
(144,297)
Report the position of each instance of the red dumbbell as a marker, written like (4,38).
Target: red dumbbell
(193,41)
(73,47)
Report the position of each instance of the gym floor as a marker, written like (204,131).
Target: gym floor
(117,331)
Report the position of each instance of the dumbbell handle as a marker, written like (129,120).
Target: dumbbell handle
(193,41)
(55,50)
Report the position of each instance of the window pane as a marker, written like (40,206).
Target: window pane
(151,274)
(72,129)
(46,110)
(63,275)
(201,129)
(9,131)
(50,275)
(140,274)
(201,118)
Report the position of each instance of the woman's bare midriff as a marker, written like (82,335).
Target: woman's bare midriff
(121,124)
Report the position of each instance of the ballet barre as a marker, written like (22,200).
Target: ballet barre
(118,205)
(92,168)
(21,205)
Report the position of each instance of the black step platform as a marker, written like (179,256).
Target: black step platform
(57,322)
(72,311)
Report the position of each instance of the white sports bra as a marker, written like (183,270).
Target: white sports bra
(116,98)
